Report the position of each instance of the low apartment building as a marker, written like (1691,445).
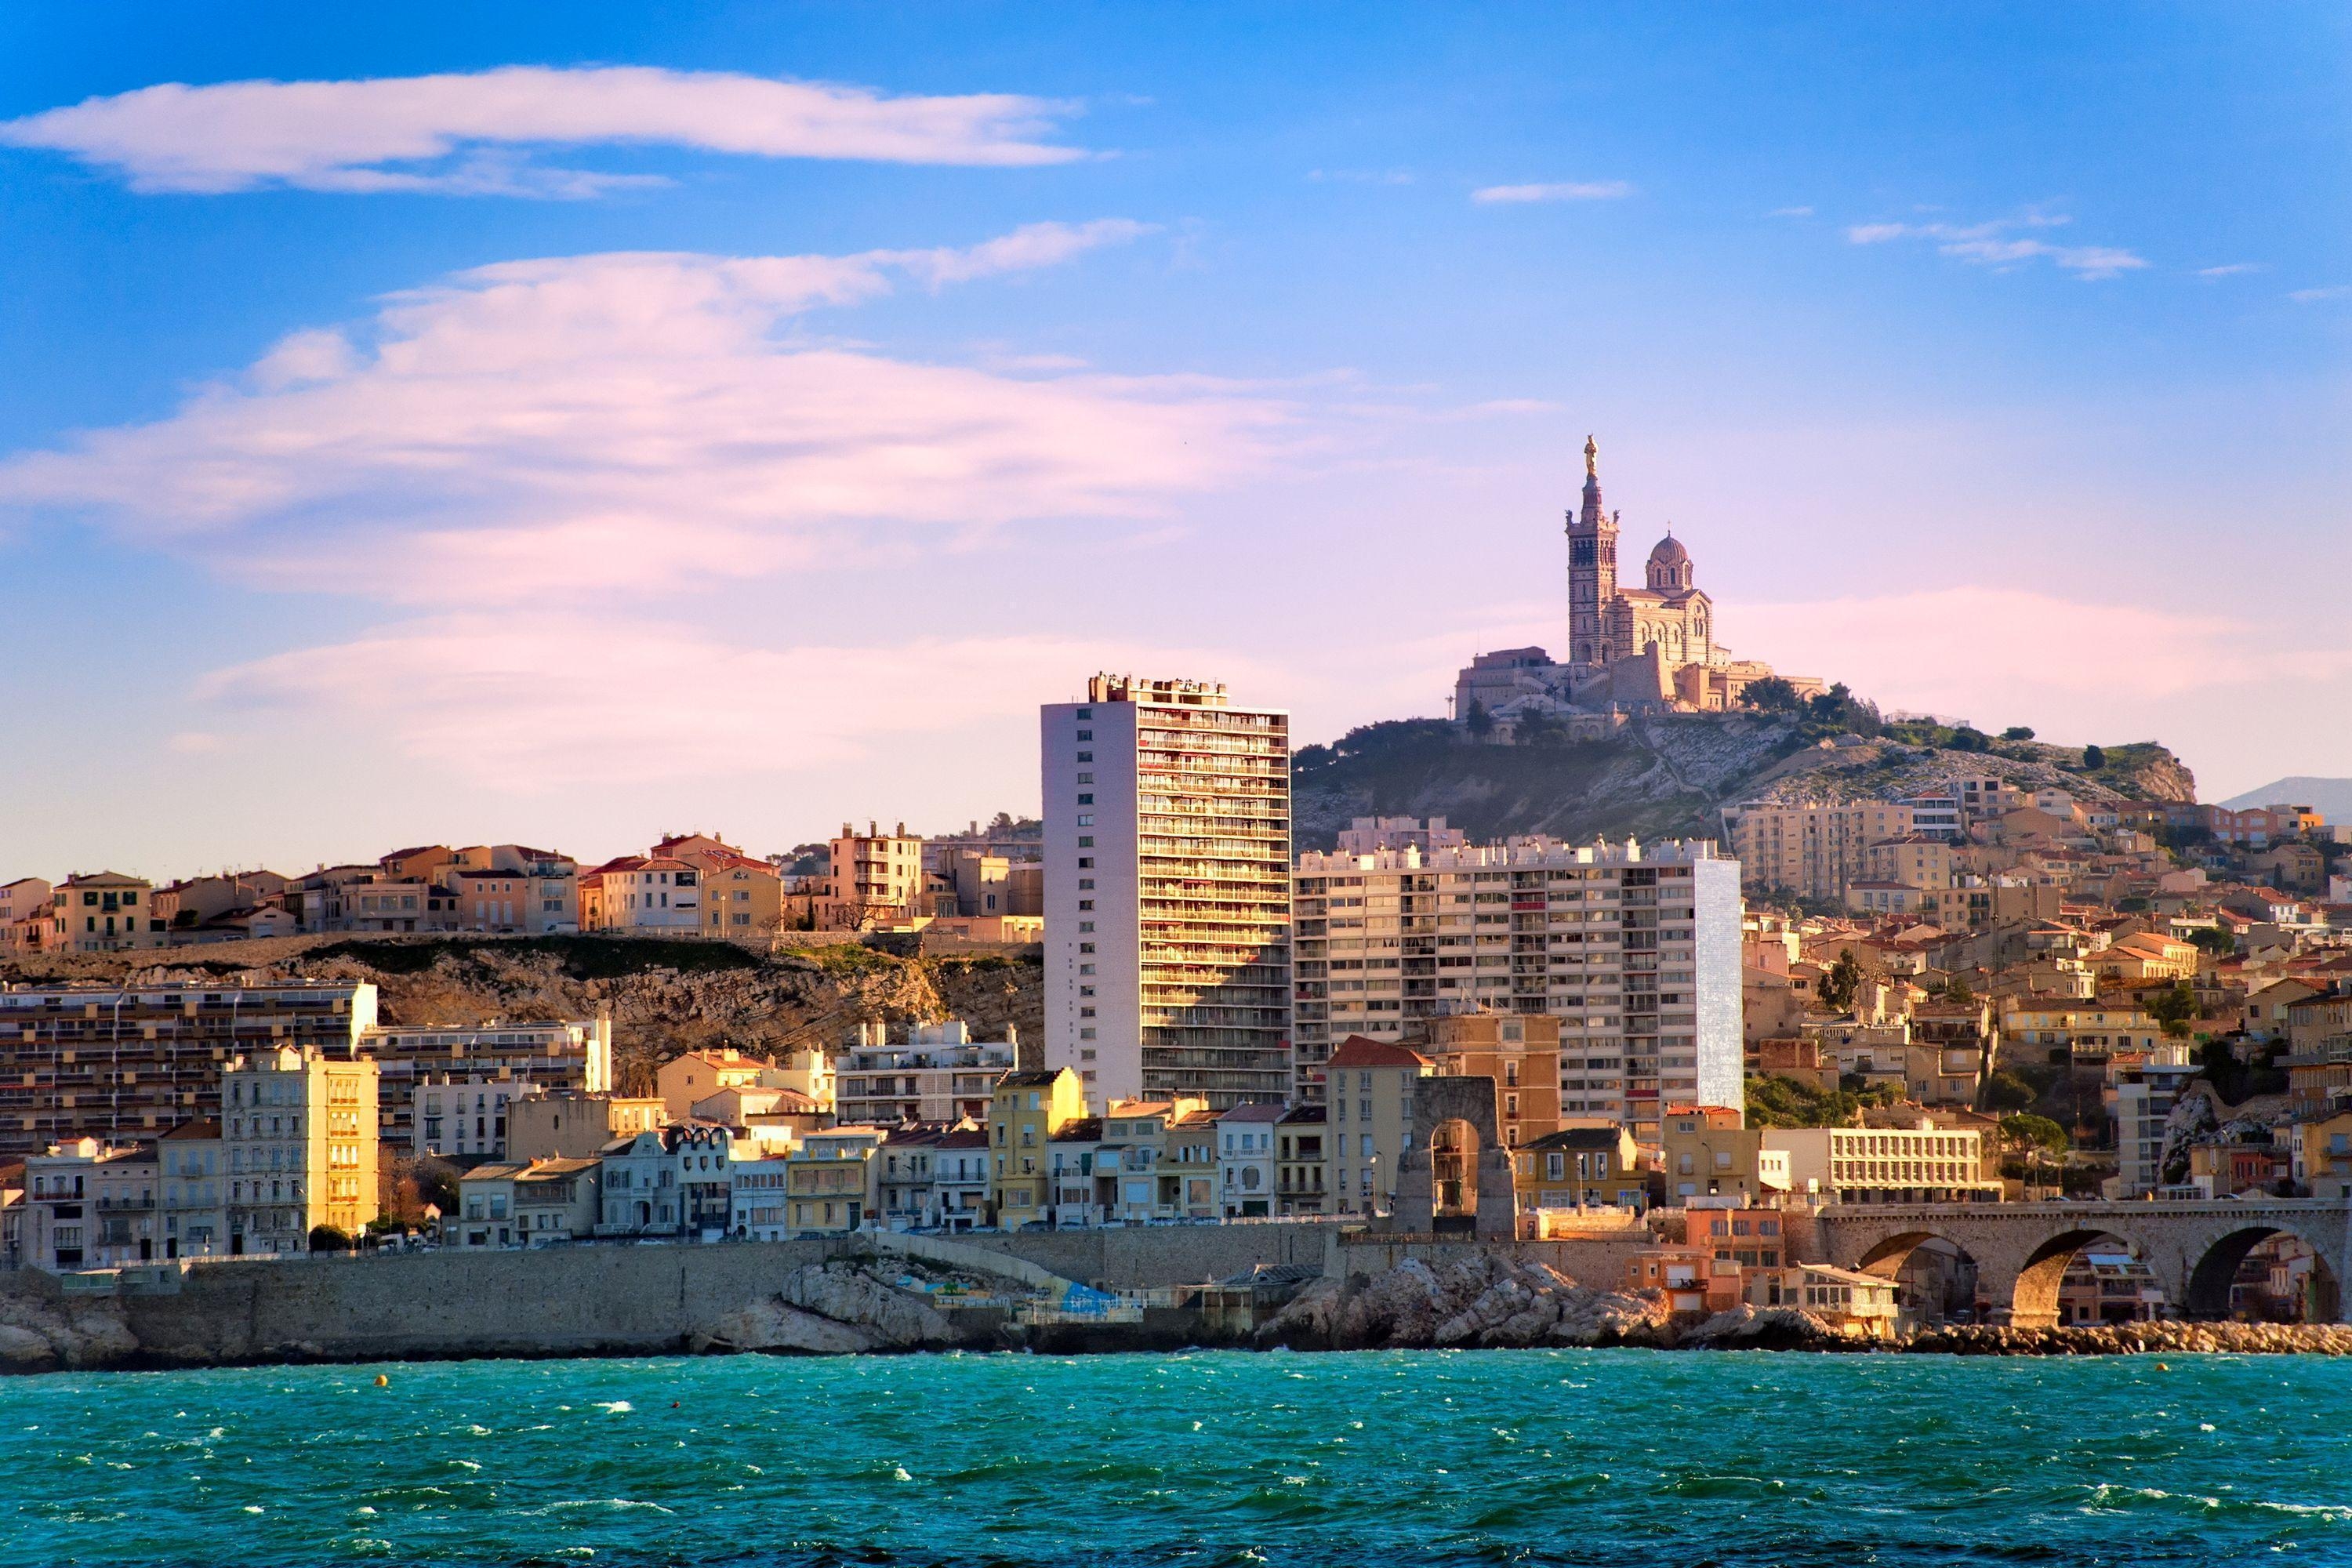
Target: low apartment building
(2065,1031)
(1129,1164)
(1070,1173)
(79,1209)
(1708,1152)
(1025,1111)
(1811,848)
(937,1072)
(829,1181)
(673,1180)
(103,911)
(1246,1161)
(1580,1167)
(554,1056)
(642,893)
(525,1203)
(1302,1180)
(575,1124)
(1885,1164)
(2142,1088)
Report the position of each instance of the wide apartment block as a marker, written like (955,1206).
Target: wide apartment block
(1633,947)
(481,1059)
(1168,893)
(1812,849)
(123,1064)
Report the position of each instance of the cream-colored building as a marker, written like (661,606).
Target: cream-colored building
(935,1072)
(1168,892)
(875,878)
(1634,948)
(642,893)
(1813,849)
(26,914)
(1708,1151)
(103,911)
(546,1125)
(299,1136)
(1885,1164)
(1368,1121)
(525,1203)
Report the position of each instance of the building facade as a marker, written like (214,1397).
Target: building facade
(1634,948)
(1166,893)
(299,1132)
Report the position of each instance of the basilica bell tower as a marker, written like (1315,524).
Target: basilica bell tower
(1591,568)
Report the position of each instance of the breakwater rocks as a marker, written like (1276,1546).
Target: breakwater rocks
(1488,1300)
(2135,1338)
(832,1308)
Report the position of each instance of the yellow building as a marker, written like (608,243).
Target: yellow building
(103,913)
(1581,1167)
(299,1138)
(1188,1165)
(829,1181)
(742,896)
(1024,1111)
(2323,1155)
(1705,1153)
(1368,1086)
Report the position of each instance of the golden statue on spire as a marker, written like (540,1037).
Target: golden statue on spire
(1592,459)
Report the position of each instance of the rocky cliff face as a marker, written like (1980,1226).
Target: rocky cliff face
(1486,1301)
(665,997)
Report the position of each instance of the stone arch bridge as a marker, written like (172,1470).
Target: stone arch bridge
(2022,1251)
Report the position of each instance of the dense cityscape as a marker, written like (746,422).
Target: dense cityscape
(1988,991)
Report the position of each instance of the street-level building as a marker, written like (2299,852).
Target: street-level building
(525,1203)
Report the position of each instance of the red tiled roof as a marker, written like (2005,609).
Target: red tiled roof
(1356,1051)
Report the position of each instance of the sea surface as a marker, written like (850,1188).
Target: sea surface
(1397,1459)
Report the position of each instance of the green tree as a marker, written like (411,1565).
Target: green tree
(2007,1091)
(329,1238)
(1956,989)
(1770,695)
(2027,1131)
(2017,732)
(1478,721)
(1966,739)
(2094,759)
(1842,980)
(2213,940)
(2173,1007)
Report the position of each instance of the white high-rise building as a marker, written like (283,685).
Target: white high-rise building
(1635,947)
(1168,893)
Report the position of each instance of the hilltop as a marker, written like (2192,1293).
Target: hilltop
(1670,775)
(2332,798)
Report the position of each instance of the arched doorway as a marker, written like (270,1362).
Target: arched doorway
(2265,1275)
(1453,1174)
(2087,1278)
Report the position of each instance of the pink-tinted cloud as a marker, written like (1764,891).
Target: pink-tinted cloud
(531,702)
(463,134)
(634,419)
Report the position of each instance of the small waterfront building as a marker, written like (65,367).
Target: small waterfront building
(1246,1161)
(1070,1173)
(960,1179)
(1581,1167)
(524,1204)
(829,1181)
(1024,1110)
(671,1180)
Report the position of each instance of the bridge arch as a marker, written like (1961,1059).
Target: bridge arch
(2215,1271)
(2033,1299)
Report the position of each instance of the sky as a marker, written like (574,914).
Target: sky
(568,425)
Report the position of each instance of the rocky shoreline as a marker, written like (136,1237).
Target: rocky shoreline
(1480,1301)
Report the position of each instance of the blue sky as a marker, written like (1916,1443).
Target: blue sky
(442,450)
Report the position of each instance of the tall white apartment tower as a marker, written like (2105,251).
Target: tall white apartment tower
(1168,893)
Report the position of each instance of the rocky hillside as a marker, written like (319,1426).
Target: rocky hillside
(665,997)
(1672,774)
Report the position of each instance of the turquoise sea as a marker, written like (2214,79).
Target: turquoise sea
(1402,1460)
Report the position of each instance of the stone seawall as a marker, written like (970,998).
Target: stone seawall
(589,1300)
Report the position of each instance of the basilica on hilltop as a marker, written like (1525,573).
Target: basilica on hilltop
(1630,649)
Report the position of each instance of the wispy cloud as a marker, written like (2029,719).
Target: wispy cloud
(621,422)
(1997,245)
(1571,191)
(466,134)
(2231,270)
(1790,212)
(2314,296)
(500,700)
(1362,176)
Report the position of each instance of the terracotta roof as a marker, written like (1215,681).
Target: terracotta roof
(1358,1051)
